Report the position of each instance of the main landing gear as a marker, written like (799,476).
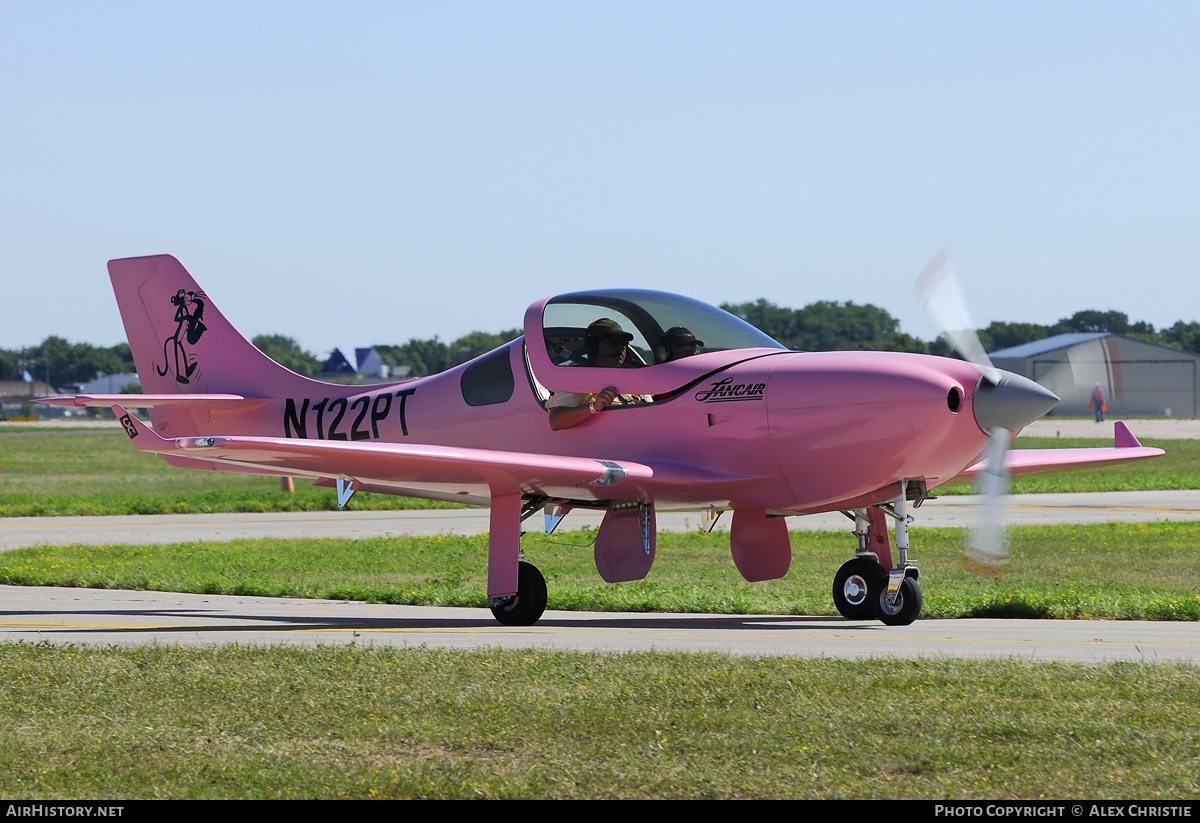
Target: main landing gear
(526,606)
(852,586)
(870,586)
(625,548)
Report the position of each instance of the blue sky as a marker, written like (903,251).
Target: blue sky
(370,172)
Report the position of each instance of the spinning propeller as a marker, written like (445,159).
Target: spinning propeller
(1004,402)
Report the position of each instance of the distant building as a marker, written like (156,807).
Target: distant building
(1138,378)
(337,367)
(366,367)
(113,384)
(15,394)
(370,364)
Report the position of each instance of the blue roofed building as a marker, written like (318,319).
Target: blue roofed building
(366,367)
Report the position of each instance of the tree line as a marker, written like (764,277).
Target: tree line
(821,326)
(61,363)
(832,326)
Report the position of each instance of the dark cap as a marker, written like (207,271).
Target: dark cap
(607,329)
(679,336)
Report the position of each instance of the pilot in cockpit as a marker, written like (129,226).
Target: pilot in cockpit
(606,345)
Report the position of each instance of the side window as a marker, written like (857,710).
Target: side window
(488,381)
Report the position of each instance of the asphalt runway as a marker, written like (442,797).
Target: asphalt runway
(90,616)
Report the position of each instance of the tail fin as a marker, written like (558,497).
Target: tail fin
(182,344)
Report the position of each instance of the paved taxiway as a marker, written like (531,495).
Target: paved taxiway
(961,511)
(87,616)
(128,618)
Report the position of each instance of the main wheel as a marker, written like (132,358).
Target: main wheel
(907,606)
(852,588)
(525,607)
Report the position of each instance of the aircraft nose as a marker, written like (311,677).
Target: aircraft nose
(1013,402)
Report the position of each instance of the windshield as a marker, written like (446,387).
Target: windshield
(658,323)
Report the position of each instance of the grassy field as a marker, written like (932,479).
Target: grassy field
(360,722)
(45,473)
(1108,571)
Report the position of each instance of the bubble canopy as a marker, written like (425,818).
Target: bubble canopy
(563,363)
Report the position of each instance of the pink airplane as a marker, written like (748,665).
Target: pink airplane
(743,424)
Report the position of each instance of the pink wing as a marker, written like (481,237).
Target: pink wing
(1035,461)
(451,473)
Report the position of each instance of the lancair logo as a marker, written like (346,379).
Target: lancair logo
(726,391)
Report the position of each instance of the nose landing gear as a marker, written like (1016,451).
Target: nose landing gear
(870,585)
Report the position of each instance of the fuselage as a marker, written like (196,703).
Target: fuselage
(780,430)
(742,422)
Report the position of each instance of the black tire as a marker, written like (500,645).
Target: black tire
(853,586)
(529,603)
(907,606)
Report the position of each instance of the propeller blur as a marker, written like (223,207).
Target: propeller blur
(1004,403)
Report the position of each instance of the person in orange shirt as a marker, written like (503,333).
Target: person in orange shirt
(1098,403)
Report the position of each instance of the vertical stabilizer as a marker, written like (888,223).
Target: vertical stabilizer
(182,344)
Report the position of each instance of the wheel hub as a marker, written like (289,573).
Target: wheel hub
(891,609)
(855,590)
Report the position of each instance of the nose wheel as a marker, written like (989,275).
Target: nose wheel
(526,606)
(904,609)
(852,587)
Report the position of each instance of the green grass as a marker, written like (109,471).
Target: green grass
(360,722)
(1108,571)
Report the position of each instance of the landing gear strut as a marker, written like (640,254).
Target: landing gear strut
(526,606)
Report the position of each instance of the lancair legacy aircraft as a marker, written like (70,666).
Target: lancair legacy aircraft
(662,402)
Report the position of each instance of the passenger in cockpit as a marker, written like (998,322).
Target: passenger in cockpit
(677,343)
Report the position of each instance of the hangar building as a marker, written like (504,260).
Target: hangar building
(1138,378)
